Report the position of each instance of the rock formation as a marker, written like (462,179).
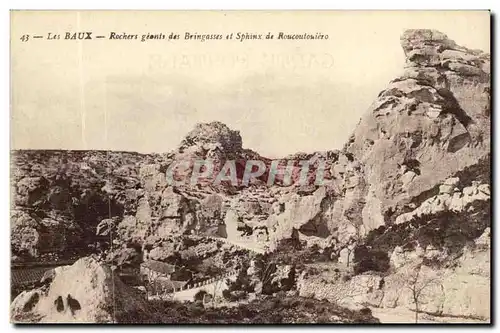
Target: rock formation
(428,124)
(413,178)
(85,292)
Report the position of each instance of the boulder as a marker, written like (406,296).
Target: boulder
(85,292)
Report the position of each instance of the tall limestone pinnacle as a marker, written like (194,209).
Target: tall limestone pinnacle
(429,123)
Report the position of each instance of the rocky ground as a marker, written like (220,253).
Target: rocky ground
(406,207)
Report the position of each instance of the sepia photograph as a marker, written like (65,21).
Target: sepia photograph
(250,167)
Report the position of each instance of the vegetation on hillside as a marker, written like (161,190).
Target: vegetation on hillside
(264,310)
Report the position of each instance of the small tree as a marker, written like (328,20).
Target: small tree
(217,286)
(417,284)
(155,287)
(200,295)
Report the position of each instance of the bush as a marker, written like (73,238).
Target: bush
(369,260)
(268,310)
(365,312)
(226,294)
(196,309)
(200,295)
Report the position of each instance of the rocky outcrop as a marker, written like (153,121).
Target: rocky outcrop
(215,135)
(423,150)
(461,288)
(428,124)
(60,197)
(85,292)
(32,236)
(450,198)
(339,288)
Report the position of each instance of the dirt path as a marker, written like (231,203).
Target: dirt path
(245,244)
(404,316)
(217,287)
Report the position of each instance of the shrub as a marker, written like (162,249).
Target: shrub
(200,295)
(226,294)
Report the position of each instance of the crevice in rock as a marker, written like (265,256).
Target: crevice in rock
(282,207)
(412,165)
(458,142)
(452,106)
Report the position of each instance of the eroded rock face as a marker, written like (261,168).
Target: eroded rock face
(65,195)
(426,125)
(461,290)
(32,235)
(85,292)
(450,198)
(424,154)
(351,293)
(24,234)
(443,254)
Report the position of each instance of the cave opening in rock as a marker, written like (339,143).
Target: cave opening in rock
(73,304)
(453,106)
(59,304)
(94,209)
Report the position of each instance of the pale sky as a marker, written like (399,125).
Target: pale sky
(283,96)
